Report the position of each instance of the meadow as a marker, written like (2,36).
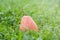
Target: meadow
(46,14)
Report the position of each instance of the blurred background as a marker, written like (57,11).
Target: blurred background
(46,14)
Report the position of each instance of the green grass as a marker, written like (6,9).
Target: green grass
(46,14)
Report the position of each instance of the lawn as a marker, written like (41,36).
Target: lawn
(46,14)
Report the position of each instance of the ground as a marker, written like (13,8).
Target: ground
(46,14)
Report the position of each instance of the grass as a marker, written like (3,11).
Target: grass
(46,14)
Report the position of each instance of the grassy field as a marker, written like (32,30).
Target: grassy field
(46,14)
